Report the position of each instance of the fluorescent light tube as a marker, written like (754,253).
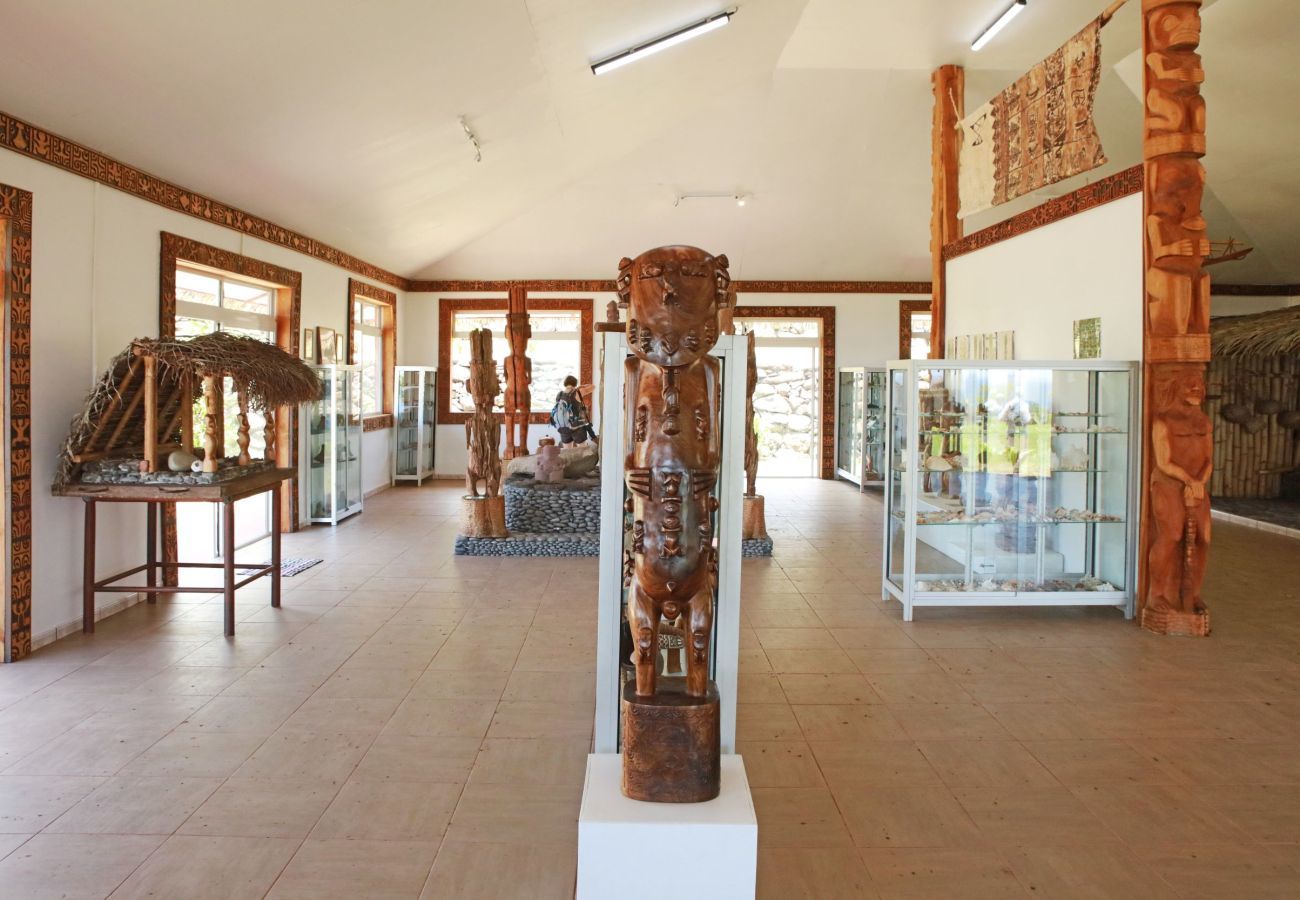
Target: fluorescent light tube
(618,60)
(991,32)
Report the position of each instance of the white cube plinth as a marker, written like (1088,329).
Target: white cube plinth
(703,849)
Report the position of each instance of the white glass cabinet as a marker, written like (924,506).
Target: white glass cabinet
(1010,484)
(333,446)
(860,426)
(414,414)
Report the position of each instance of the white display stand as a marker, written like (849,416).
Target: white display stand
(702,849)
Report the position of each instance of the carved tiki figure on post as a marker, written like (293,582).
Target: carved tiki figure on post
(1175,527)
(483,516)
(673,452)
(754,524)
(519,374)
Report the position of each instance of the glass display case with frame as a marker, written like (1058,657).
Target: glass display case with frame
(332,443)
(415,407)
(860,426)
(1011,484)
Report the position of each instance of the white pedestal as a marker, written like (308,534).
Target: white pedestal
(633,850)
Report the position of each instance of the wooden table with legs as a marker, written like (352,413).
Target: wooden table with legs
(227,493)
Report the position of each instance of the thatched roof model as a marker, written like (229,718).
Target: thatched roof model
(1269,333)
(112,420)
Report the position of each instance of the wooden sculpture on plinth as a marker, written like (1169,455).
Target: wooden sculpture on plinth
(755,520)
(519,374)
(1178,458)
(671,738)
(483,516)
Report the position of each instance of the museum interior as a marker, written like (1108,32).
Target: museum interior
(844,448)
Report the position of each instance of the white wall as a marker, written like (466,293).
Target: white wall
(1039,283)
(866,334)
(94,289)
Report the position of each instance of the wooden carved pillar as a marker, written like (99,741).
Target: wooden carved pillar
(483,516)
(268,437)
(519,374)
(948,84)
(243,438)
(150,414)
(211,418)
(1178,434)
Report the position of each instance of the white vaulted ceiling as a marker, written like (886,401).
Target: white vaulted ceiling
(338,118)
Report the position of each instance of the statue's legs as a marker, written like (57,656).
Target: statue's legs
(643,618)
(698,633)
(1165,561)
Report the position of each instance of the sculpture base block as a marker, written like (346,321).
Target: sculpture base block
(671,744)
(754,524)
(1176,622)
(483,516)
(716,843)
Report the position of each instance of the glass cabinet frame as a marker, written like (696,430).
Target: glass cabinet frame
(860,426)
(415,414)
(332,446)
(1011,483)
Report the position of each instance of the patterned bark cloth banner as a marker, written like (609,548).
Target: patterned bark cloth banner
(1036,132)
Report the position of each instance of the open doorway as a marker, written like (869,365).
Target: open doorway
(788,396)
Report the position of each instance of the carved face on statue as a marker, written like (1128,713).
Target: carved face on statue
(673,295)
(1177,27)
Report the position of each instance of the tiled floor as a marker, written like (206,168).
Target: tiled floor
(411,724)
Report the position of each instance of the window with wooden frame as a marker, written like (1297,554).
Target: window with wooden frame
(561,345)
(914,321)
(372,345)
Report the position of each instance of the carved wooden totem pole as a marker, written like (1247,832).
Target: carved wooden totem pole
(519,374)
(483,516)
(671,740)
(1176,507)
(754,525)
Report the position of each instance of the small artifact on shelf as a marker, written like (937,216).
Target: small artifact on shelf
(1090,429)
(1013,585)
(550,462)
(937,464)
(182,461)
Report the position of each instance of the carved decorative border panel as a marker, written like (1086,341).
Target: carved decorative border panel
(742,287)
(16,268)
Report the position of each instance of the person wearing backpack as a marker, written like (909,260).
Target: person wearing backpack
(570,416)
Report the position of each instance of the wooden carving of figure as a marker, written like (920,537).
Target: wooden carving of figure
(751,436)
(519,375)
(1183,446)
(1178,291)
(673,295)
(483,429)
(1175,108)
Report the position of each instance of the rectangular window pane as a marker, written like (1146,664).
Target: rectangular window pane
(187,327)
(246,298)
(193,287)
(369,356)
(463,323)
(369,314)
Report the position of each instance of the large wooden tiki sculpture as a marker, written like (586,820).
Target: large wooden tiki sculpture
(673,453)
(754,525)
(519,374)
(483,516)
(1176,520)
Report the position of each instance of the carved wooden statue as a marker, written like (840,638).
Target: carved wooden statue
(1176,519)
(673,452)
(483,516)
(519,374)
(754,523)
(1182,442)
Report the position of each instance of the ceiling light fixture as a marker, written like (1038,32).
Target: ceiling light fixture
(741,199)
(473,139)
(640,51)
(1003,20)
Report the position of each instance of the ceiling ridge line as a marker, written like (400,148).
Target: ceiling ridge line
(600,285)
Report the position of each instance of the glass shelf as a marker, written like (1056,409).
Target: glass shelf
(859,447)
(416,418)
(333,446)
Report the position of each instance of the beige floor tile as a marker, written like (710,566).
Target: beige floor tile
(462,685)
(529,719)
(306,755)
(847,689)
(417,758)
(89,751)
(532,761)
(262,807)
(813,873)
(1224,762)
(893,661)
(388,811)
(766,722)
(475,871)
(1102,762)
(877,637)
(759,688)
(517,813)
(241,715)
(980,763)
(779,764)
(201,867)
(60,866)
(1032,816)
(1087,872)
(947,721)
(365,716)
(911,874)
(852,764)
(1143,814)
(136,805)
(821,661)
(1209,871)
(839,722)
(28,803)
(1268,813)
(358,683)
(917,687)
(191,679)
(464,658)
(197,754)
(438,717)
(795,639)
(554,687)
(898,817)
(798,817)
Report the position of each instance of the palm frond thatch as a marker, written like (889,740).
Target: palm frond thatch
(1270,333)
(267,375)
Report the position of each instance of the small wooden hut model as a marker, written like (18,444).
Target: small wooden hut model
(1254,402)
(142,409)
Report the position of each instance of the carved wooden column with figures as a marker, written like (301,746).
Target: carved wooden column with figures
(948,85)
(483,516)
(519,374)
(1179,450)
(754,525)
(672,440)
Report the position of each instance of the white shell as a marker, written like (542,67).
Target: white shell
(196,466)
(180,461)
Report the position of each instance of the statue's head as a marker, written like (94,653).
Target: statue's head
(673,296)
(1174,24)
(1182,383)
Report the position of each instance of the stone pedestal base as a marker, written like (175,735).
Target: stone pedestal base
(1176,622)
(483,516)
(671,744)
(755,521)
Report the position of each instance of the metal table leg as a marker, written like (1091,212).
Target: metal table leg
(88,573)
(228,550)
(151,548)
(275,545)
